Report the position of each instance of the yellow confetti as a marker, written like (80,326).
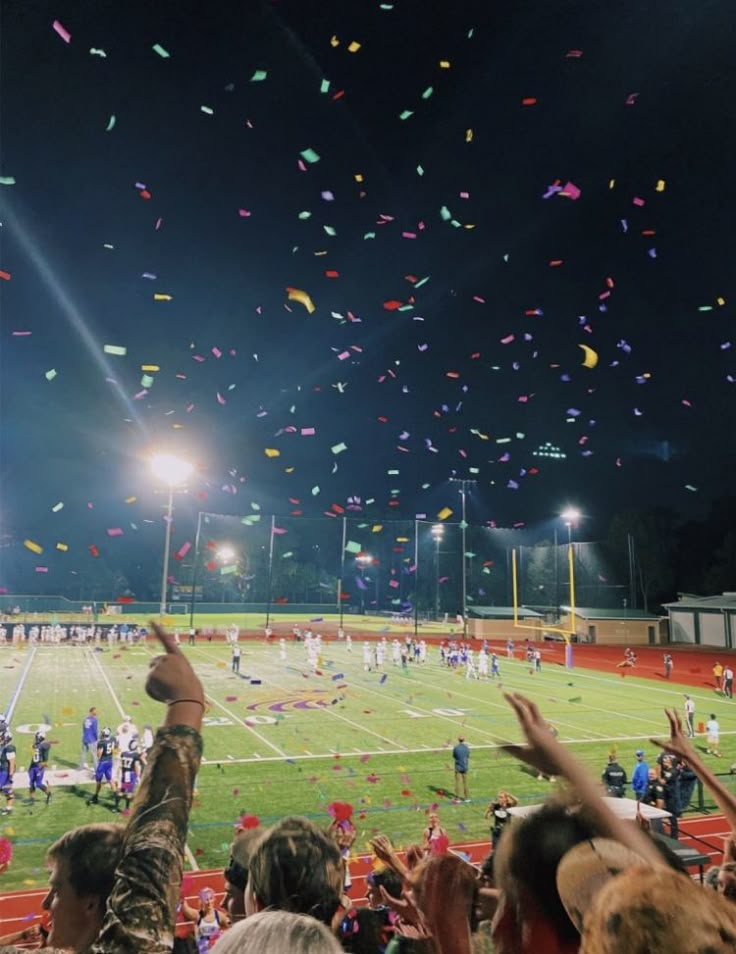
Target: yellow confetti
(660,186)
(296,294)
(720,301)
(358,176)
(591,357)
(130,500)
(468,135)
(33,547)
(444,64)
(377,528)
(62,546)
(272,452)
(160,297)
(289,470)
(354,47)
(150,367)
(611,183)
(334,41)
(444,513)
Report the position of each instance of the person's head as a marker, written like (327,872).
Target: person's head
(658,911)
(446,892)
(273,932)
(530,914)
(434,819)
(81,867)
(611,758)
(461,738)
(652,775)
(236,873)
(712,715)
(383,878)
(207,900)
(295,866)
(726,882)
(93,710)
(640,755)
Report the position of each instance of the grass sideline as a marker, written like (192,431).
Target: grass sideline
(280,740)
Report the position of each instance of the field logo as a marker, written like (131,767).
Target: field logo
(298,700)
(31,728)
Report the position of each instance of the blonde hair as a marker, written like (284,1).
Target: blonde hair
(659,911)
(273,932)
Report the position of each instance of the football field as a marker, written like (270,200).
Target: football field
(280,739)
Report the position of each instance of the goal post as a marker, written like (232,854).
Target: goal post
(565,632)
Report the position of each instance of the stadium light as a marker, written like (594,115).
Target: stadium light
(363,560)
(172,471)
(438,533)
(226,554)
(464,482)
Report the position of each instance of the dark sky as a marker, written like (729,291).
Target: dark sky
(204,206)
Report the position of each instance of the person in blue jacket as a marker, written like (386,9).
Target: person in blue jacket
(640,776)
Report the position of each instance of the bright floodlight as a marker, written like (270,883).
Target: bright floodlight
(364,559)
(226,554)
(437,531)
(171,470)
(571,515)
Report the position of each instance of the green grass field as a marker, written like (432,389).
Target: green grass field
(297,741)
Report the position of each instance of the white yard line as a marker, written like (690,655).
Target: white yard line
(107,682)
(21,682)
(189,855)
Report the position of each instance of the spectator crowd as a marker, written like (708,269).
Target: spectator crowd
(570,876)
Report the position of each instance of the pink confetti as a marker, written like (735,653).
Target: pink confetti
(22,334)
(508,339)
(409,235)
(631,99)
(481,301)
(638,201)
(307,432)
(244,213)
(114,532)
(216,352)
(62,31)
(220,399)
(42,569)
(570,191)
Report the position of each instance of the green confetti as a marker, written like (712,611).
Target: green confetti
(309,155)
(164,54)
(115,349)
(407,113)
(146,381)
(94,52)
(369,235)
(7,180)
(315,491)
(705,308)
(110,124)
(339,448)
(50,375)
(422,281)
(207,109)
(330,229)
(305,215)
(428,92)
(259,76)
(420,170)
(445,214)
(691,488)
(352,547)
(324,86)
(290,553)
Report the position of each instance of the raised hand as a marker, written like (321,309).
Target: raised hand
(171,678)
(677,742)
(542,751)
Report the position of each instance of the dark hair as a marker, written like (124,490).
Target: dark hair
(91,853)
(360,931)
(536,847)
(388,879)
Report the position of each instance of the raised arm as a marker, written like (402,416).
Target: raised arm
(547,755)
(141,910)
(679,746)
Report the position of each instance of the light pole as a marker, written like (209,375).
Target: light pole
(194,569)
(571,516)
(173,472)
(225,555)
(438,532)
(464,484)
(363,560)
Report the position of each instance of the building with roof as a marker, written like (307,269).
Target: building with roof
(497,622)
(627,627)
(703,620)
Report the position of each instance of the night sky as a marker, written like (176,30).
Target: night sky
(468,194)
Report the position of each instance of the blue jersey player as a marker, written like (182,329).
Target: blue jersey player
(37,770)
(131,765)
(103,772)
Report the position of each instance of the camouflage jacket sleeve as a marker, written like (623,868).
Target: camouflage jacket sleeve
(141,909)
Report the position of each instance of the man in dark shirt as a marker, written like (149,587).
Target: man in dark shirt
(670,776)
(461,756)
(614,778)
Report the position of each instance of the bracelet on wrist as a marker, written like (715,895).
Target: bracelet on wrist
(198,702)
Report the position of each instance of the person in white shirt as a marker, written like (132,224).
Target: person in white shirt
(690,717)
(123,734)
(713,731)
(728,681)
